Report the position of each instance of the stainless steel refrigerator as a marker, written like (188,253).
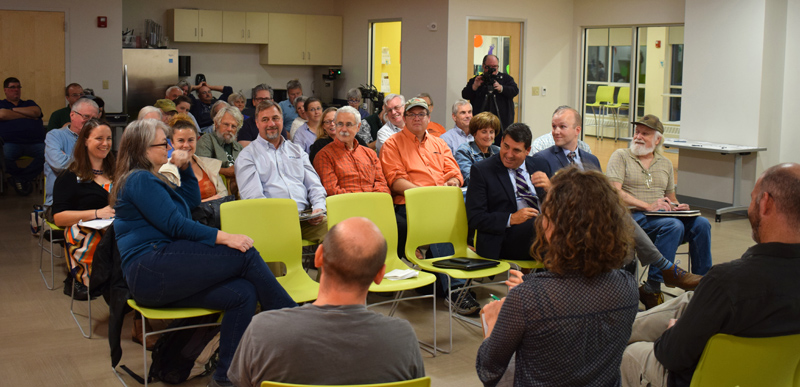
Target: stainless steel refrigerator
(146,75)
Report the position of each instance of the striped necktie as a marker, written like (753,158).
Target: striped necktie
(523,191)
(571,157)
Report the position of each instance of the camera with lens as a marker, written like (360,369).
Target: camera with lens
(489,76)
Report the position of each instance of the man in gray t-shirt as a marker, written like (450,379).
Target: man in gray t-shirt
(335,340)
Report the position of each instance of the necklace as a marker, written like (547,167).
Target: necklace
(97,172)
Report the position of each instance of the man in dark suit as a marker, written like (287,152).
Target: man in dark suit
(501,200)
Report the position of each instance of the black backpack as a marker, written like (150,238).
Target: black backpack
(181,355)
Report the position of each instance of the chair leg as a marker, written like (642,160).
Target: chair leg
(72,312)
(52,283)
(144,350)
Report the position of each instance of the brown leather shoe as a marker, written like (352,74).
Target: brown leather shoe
(650,300)
(680,278)
(136,334)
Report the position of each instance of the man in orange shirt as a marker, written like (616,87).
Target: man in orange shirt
(345,166)
(433,128)
(412,158)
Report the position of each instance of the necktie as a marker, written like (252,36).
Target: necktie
(571,157)
(523,191)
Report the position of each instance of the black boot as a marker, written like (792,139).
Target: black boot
(81,291)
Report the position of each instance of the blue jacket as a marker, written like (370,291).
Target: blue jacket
(149,213)
(468,154)
(553,159)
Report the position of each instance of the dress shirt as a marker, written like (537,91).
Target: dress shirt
(386,131)
(342,170)
(513,176)
(304,137)
(262,171)
(289,114)
(455,137)
(425,163)
(577,156)
(546,140)
(58,145)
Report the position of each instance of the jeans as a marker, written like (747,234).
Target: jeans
(436,249)
(667,233)
(192,274)
(14,151)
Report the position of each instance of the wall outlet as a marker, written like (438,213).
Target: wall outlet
(105,85)
(535,91)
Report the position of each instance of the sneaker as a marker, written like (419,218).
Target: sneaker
(468,305)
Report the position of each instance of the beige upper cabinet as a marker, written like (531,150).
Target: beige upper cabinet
(192,25)
(257,28)
(324,40)
(245,27)
(303,40)
(233,27)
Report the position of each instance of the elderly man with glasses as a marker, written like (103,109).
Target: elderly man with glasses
(21,134)
(59,144)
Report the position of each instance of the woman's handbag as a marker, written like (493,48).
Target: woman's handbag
(208,212)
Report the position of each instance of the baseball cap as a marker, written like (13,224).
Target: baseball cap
(414,102)
(651,122)
(165,105)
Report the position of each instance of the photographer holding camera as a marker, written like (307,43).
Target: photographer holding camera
(492,91)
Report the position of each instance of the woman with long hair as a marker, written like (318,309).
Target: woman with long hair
(570,324)
(170,260)
(81,193)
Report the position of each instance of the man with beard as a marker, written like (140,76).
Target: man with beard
(754,296)
(271,167)
(221,144)
(644,178)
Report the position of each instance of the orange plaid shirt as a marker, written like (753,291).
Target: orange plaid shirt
(342,170)
(425,163)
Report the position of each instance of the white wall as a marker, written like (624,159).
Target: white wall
(547,60)
(424,61)
(235,65)
(789,134)
(91,54)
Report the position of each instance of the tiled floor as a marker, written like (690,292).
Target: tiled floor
(40,344)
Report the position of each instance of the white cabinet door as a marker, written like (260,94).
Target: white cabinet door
(210,23)
(323,40)
(184,25)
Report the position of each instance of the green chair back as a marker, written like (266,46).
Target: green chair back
(604,95)
(274,225)
(742,361)
(421,382)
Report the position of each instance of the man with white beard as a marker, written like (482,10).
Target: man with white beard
(644,178)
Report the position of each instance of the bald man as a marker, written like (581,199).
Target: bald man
(335,340)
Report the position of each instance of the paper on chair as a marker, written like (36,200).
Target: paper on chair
(398,274)
(97,224)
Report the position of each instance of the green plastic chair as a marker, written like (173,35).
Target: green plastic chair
(603,97)
(749,362)
(378,207)
(438,215)
(526,264)
(274,225)
(165,314)
(623,100)
(421,382)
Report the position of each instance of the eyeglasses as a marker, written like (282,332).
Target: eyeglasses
(420,115)
(165,144)
(86,117)
(398,108)
(354,100)
(491,67)
(347,124)
(262,99)
(14,87)
(328,122)
(314,109)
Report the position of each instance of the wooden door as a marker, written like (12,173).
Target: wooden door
(33,51)
(324,40)
(513,30)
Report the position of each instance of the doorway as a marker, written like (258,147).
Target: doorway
(385,60)
(35,55)
(503,39)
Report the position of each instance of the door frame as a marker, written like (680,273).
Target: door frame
(522,33)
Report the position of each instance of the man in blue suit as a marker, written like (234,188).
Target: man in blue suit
(566,133)
(502,202)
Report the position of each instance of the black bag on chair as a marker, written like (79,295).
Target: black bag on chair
(208,212)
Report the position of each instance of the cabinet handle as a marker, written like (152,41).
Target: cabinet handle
(242,33)
(201,32)
(304,55)
(248,34)
(309,55)
(195,31)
